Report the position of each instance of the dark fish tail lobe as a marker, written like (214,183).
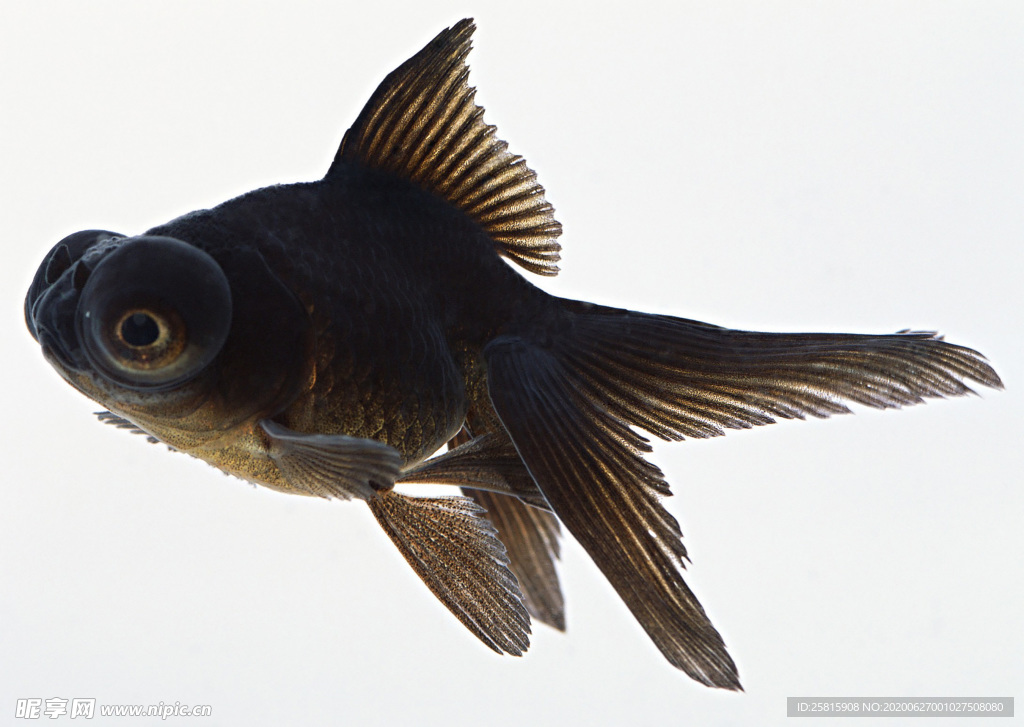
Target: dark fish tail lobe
(422,125)
(570,400)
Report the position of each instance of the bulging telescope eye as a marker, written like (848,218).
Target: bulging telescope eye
(154,313)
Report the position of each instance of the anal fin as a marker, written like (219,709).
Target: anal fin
(457,554)
(531,537)
(446,540)
(490,471)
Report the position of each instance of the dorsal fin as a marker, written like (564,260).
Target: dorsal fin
(423,125)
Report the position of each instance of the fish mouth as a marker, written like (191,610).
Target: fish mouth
(52,299)
(55,352)
(51,321)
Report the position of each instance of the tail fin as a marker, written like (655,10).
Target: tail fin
(678,378)
(569,401)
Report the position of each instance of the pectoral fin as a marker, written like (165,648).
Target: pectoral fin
(456,552)
(332,465)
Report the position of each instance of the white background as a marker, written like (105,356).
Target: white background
(776,166)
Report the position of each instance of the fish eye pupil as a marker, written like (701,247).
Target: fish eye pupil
(139,329)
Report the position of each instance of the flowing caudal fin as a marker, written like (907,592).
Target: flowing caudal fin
(458,555)
(569,400)
(678,378)
(422,125)
(590,468)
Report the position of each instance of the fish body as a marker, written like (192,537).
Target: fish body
(391,349)
(327,338)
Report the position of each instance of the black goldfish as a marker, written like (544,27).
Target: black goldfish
(327,338)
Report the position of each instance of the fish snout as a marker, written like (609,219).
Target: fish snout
(62,258)
(51,321)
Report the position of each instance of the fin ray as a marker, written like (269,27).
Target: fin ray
(332,465)
(109,417)
(488,462)
(590,468)
(456,553)
(489,470)
(422,124)
(678,378)
(531,537)
(570,399)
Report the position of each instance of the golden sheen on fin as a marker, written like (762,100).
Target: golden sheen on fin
(531,537)
(422,124)
(458,555)
(529,534)
(569,404)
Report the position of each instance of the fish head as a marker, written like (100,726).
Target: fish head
(152,328)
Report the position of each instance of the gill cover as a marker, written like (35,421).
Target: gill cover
(154,312)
